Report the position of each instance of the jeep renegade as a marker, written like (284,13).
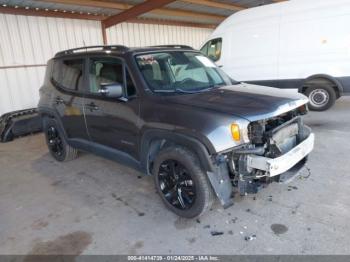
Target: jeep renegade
(169,112)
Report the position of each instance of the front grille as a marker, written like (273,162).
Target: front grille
(260,131)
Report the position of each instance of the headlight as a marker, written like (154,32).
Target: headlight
(235,132)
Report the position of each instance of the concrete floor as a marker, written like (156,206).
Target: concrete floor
(95,206)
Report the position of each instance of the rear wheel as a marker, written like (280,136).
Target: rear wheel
(181,183)
(321,98)
(56,143)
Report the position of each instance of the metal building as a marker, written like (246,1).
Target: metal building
(33,31)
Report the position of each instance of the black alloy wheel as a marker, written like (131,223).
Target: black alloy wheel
(176,184)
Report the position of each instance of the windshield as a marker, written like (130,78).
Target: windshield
(177,71)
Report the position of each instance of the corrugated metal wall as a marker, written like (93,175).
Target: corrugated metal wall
(131,34)
(27,40)
(31,41)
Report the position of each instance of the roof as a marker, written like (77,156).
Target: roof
(120,49)
(202,12)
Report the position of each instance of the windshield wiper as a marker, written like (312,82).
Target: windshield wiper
(193,91)
(176,90)
(213,87)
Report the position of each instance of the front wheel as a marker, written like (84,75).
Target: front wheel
(181,183)
(321,98)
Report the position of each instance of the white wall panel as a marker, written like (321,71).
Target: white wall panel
(28,40)
(132,34)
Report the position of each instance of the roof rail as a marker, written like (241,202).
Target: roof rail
(174,46)
(91,48)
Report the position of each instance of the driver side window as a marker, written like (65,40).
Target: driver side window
(103,72)
(212,49)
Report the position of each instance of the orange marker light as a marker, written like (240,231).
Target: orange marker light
(235,132)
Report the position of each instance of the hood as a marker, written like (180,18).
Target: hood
(251,102)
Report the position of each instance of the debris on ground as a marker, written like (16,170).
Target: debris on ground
(250,238)
(198,221)
(234,220)
(216,233)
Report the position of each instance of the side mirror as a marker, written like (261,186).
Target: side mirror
(113,90)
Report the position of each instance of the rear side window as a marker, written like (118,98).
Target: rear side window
(212,49)
(69,74)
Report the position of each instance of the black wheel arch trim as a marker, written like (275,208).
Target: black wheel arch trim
(189,142)
(50,112)
(325,76)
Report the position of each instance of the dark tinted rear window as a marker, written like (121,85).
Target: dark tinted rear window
(68,73)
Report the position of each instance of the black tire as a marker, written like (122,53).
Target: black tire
(56,142)
(321,98)
(203,196)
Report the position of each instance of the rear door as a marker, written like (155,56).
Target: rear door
(112,122)
(68,79)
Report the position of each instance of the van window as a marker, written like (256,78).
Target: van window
(69,74)
(212,49)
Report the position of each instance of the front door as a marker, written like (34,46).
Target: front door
(68,79)
(112,122)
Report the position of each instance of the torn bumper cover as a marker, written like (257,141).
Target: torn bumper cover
(277,156)
(281,164)
(19,123)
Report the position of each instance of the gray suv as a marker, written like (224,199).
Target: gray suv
(169,112)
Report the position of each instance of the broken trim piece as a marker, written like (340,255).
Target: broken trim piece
(279,165)
(19,123)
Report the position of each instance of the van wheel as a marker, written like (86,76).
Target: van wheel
(56,143)
(321,98)
(181,183)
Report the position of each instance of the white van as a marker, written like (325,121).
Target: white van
(301,44)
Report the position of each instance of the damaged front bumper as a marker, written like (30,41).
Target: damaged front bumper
(277,155)
(276,166)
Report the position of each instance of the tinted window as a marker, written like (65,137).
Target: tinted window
(212,49)
(69,73)
(103,72)
(180,72)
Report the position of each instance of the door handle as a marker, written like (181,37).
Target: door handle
(92,106)
(59,100)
